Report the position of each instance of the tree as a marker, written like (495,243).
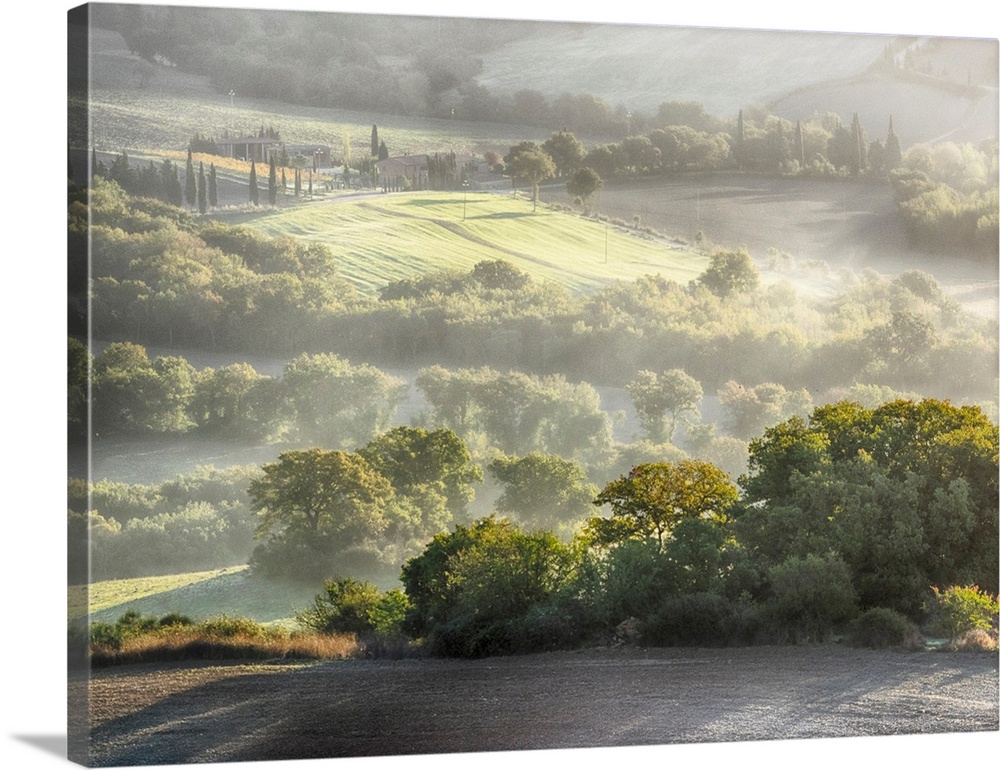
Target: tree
(254,193)
(272,182)
(213,187)
(326,495)
(654,497)
(672,393)
(383,151)
(202,192)
(583,184)
(415,457)
(565,150)
(730,272)
(533,165)
(190,185)
(337,403)
(543,491)
(375,145)
(893,150)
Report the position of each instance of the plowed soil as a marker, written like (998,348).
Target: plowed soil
(166,714)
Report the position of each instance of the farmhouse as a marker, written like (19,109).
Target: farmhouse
(249,147)
(416,169)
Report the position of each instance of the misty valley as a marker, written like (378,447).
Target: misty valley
(504,371)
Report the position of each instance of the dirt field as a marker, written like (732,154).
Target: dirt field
(598,697)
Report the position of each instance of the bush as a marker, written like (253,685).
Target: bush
(348,606)
(700,619)
(880,627)
(963,608)
(975,640)
(809,598)
(228,628)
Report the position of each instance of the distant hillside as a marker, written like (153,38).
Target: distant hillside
(940,88)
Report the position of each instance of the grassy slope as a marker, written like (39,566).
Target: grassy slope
(231,591)
(386,238)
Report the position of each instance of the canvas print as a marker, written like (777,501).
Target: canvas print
(443,385)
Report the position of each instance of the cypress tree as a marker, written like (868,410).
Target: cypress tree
(254,193)
(383,151)
(190,186)
(284,182)
(374,141)
(202,192)
(893,150)
(272,184)
(800,152)
(213,187)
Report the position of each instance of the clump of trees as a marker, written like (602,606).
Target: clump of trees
(846,522)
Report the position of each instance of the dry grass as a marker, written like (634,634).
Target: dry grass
(177,644)
(975,640)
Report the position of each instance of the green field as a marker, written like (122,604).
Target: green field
(232,591)
(379,239)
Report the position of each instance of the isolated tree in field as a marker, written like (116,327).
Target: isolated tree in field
(655,497)
(202,191)
(272,182)
(583,184)
(190,185)
(730,272)
(533,165)
(254,193)
(213,187)
(662,399)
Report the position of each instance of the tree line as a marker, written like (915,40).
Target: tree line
(161,277)
(852,518)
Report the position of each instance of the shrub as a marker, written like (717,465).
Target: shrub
(348,606)
(228,628)
(880,627)
(963,608)
(809,597)
(700,619)
(975,640)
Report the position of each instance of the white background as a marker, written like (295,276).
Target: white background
(32,281)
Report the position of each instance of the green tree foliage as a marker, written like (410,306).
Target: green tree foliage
(254,192)
(906,493)
(810,597)
(543,491)
(316,506)
(566,152)
(272,182)
(213,187)
(957,609)
(662,399)
(412,458)
(652,499)
(531,164)
(490,589)
(519,413)
(349,606)
(730,272)
(190,184)
(337,403)
(202,191)
(583,184)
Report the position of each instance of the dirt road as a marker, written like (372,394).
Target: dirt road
(597,697)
